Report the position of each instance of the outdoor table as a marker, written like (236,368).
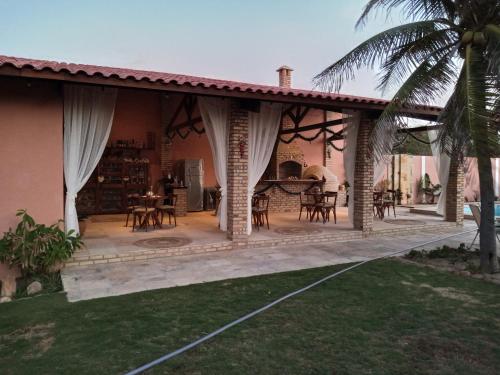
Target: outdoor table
(151,201)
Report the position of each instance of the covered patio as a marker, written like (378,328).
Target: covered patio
(249,140)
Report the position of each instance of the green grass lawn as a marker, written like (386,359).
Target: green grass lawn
(383,318)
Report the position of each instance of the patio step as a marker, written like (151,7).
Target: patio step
(144,254)
(285,240)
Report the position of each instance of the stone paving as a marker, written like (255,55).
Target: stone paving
(104,280)
(107,240)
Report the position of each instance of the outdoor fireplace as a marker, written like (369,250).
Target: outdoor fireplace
(288,169)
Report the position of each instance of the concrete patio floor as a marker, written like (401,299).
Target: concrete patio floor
(106,235)
(104,280)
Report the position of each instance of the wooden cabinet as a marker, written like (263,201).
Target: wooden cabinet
(113,180)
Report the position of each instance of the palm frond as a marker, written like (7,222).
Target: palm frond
(404,60)
(493,48)
(470,118)
(454,133)
(428,82)
(412,9)
(374,50)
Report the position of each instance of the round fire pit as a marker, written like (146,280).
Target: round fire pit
(163,242)
(404,221)
(297,231)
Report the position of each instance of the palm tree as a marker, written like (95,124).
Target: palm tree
(447,44)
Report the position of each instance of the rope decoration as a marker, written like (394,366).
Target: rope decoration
(336,135)
(278,184)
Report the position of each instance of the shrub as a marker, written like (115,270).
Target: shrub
(35,248)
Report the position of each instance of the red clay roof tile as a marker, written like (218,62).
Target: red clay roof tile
(180,79)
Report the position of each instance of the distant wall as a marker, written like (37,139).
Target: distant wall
(31,168)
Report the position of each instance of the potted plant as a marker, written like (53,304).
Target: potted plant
(37,250)
(429,190)
(399,196)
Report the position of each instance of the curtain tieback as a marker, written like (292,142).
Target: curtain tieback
(222,191)
(71,196)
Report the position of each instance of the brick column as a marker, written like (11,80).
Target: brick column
(454,210)
(363,178)
(181,204)
(237,176)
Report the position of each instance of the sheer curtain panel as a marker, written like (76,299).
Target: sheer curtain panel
(263,129)
(442,163)
(88,116)
(215,115)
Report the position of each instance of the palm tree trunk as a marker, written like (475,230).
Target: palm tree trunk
(487,236)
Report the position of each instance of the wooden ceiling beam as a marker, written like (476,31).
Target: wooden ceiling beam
(320,125)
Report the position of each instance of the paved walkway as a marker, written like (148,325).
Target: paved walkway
(106,280)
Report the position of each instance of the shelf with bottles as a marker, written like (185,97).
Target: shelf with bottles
(111,200)
(86,201)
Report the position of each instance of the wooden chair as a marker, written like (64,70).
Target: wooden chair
(318,207)
(305,202)
(143,214)
(217,198)
(389,201)
(330,205)
(260,209)
(133,202)
(378,204)
(169,209)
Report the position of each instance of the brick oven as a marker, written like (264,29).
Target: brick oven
(289,159)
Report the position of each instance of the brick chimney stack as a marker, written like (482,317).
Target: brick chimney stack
(285,76)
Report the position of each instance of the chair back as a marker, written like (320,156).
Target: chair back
(305,198)
(476,213)
(390,195)
(172,199)
(378,196)
(133,200)
(331,195)
(261,201)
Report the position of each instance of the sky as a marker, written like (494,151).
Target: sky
(243,40)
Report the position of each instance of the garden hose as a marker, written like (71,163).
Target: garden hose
(202,339)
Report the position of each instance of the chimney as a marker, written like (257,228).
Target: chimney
(285,76)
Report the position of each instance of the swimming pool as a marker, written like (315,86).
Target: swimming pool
(467,210)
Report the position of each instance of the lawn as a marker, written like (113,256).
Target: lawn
(383,318)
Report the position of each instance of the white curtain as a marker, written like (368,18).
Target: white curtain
(349,154)
(379,169)
(263,129)
(442,163)
(88,116)
(215,115)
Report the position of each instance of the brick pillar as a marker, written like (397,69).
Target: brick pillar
(363,178)
(454,210)
(237,176)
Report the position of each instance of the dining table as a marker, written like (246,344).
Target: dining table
(151,200)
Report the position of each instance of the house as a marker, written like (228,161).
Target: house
(85,123)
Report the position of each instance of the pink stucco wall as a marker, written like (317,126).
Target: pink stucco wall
(31,168)
(196,147)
